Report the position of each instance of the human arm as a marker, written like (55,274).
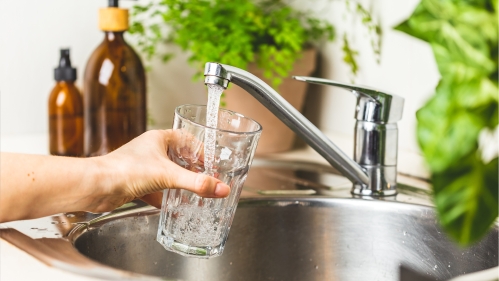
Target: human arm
(34,186)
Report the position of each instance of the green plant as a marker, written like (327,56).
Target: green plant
(237,32)
(234,32)
(373,28)
(463,36)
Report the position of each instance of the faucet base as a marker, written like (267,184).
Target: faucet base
(383,182)
(363,192)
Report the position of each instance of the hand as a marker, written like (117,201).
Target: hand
(34,186)
(141,168)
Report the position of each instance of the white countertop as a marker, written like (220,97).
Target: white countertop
(16,264)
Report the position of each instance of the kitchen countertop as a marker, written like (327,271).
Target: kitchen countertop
(16,264)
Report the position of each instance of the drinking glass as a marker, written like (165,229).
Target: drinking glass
(191,225)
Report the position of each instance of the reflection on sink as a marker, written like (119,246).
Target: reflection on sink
(285,178)
(295,239)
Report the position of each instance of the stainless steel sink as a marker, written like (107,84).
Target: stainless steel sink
(313,230)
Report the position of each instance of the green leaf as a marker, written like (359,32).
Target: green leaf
(446,132)
(166,57)
(466,197)
(350,56)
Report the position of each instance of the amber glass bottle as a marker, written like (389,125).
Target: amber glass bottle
(65,111)
(114,90)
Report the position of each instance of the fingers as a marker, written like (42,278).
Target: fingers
(153,199)
(202,185)
(186,143)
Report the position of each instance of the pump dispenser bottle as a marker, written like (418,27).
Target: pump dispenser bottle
(114,90)
(65,111)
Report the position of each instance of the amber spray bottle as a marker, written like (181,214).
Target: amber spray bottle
(114,90)
(65,111)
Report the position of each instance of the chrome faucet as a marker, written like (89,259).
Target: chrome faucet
(374,171)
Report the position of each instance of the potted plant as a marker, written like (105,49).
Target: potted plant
(268,38)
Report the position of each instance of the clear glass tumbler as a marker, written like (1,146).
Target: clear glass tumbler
(191,225)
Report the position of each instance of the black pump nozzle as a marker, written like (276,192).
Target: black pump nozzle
(65,72)
(65,61)
(113,3)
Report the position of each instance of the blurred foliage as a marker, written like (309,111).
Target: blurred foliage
(463,36)
(237,32)
(373,28)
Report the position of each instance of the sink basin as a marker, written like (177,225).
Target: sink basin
(296,221)
(295,238)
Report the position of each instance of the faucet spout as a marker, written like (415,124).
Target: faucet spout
(223,74)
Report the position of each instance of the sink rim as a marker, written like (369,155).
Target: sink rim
(281,201)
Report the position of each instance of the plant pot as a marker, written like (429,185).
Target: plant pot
(276,136)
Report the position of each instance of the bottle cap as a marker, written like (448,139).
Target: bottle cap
(64,72)
(113,18)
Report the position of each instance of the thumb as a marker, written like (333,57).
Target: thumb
(201,184)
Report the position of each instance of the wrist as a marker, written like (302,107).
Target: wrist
(101,184)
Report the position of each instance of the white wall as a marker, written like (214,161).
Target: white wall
(31,33)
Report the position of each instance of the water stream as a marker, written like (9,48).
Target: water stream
(214,93)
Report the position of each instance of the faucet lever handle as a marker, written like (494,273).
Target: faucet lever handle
(372,105)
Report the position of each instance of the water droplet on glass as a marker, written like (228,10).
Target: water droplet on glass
(448,265)
(316,267)
(230,263)
(405,233)
(435,267)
